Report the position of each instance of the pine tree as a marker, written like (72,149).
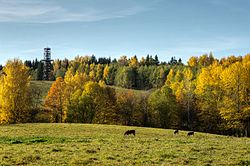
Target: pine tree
(39,71)
(156,60)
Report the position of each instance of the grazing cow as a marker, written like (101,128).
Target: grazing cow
(176,131)
(190,133)
(129,132)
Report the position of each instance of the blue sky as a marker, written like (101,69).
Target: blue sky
(180,28)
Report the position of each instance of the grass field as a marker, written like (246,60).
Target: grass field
(84,144)
(43,86)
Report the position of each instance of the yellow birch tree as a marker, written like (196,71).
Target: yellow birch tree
(15,100)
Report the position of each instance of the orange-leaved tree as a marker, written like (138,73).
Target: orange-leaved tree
(54,101)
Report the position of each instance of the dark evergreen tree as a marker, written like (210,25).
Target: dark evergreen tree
(173,61)
(39,71)
(180,61)
(109,60)
(35,66)
(156,60)
(114,60)
(104,60)
(93,59)
(147,60)
(151,60)
(28,64)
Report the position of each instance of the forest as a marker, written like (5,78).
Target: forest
(206,94)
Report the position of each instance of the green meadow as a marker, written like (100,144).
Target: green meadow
(90,144)
(42,86)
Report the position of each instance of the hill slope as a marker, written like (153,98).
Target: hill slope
(83,144)
(44,87)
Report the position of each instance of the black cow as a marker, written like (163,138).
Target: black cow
(190,133)
(176,131)
(129,132)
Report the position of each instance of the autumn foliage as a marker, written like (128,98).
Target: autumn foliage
(54,100)
(15,99)
(207,94)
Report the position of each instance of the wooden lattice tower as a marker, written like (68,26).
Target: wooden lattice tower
(47,66)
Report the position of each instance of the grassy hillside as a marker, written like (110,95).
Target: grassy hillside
(136,92)
(43,86)
(84,144)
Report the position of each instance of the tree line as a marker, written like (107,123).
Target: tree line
(207,94)
(125,72)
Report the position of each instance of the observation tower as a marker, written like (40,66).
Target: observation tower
(47,66)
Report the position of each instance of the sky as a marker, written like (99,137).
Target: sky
(112,28)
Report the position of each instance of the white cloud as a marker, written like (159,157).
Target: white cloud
(48,12)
